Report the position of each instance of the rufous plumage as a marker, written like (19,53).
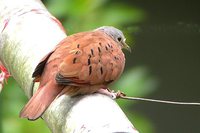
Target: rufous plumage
(82,63)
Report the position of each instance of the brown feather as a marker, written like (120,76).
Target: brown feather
(43,97)
(83,63)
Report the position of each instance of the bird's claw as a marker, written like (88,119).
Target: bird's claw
(112,93)
(116,95)
(119,94)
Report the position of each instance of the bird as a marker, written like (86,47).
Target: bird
(82,63)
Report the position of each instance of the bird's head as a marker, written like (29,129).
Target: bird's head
(116,34)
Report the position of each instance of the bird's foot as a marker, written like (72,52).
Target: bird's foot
(111,93)
(4,75)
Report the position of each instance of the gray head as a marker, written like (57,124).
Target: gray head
(116,34)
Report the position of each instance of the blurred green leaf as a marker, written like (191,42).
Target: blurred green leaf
(13,101)
(78,15)
(140,122)
(137,82)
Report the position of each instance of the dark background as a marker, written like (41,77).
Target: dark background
(169,43)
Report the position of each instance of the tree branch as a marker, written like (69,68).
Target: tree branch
(28,32)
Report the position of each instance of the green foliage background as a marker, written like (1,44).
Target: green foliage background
(76,16)
(164,36)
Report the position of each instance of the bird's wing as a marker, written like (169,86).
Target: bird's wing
(90,58)
(40,67)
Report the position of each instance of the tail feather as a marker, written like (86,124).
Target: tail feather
(40,101)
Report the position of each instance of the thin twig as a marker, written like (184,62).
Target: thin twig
(160,101)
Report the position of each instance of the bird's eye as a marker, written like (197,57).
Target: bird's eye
(119,39)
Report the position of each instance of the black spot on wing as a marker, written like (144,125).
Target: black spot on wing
(116,58)
(62,80)
(106,48)
(89,56)
(90,70)
(89,61)
(101,69)
(74,60)
(92,51)
(99,49)
(77,52)
(100,44)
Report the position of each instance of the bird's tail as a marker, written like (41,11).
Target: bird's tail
(40,101)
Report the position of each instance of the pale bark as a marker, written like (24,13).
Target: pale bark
(27,33)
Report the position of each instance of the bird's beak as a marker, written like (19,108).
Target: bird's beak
(125,46)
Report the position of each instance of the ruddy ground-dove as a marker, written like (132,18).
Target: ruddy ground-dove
(82,63)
